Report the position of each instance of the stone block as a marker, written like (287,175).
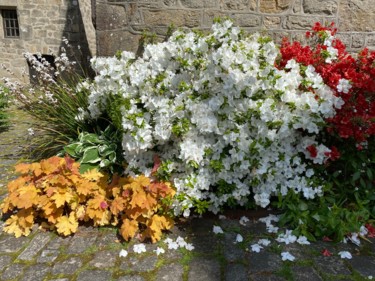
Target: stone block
(38,242)
(139,265)
(109,17)
(133,14)
(110,42)
(370,40)
(305,273)
(97,275)
(10,244)
(210,15)
(299,22)
(68,267)
(4,261)
(345,38)
(358,41)
(177,17)
(271,22)
(264,262)
(170,3)
(48,256)
(297,7)
(172,271)
(12,272)
(239,5)
(104,259)
(357,15)
(324,7)
(274,6)
(246,20)
(35,272)
(203,269)
(235,272)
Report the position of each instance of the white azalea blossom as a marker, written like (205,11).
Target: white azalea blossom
(244,220)
(302,240)
(139,248)
(264,242)
(217,230)
(256,248)
(286,256)
(345,255)
(123,253)
(159,251)
(239,238)
(218,112)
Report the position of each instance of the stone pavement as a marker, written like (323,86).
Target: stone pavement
(92,254)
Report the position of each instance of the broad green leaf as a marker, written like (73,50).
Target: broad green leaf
(84,167)
(91,138)
(91,155)
(71,150)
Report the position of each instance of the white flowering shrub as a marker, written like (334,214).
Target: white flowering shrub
(226,124)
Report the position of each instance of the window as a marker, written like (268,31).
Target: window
(10,23)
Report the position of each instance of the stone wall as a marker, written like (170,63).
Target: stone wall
(43,24)
(119,23)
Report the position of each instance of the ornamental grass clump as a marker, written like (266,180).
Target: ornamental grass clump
(227,125)
(4,104)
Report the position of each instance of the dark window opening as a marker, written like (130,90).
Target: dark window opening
(10,23)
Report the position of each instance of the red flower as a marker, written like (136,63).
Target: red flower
(371,230)
(334,154)
(313,151)
(326,253)
(326,239)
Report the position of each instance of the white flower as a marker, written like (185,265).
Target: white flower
(344,86)
(287,238)
(159,251)
(264,242)
(217,229)
(222,217)
(244,220)
(189,247)
(123,253)
(256,248)
(354,239)
(345,255)
(139,248)
(31,131)
(303,240)
(286,256)
(239,238)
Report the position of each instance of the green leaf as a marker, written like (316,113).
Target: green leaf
(303,206)
(91,155)
(84,167)
(356,176)
(91,138)
(71,150)
(370,175)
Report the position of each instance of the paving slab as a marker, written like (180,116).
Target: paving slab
(67,267)
(173,271)
(35,272)
(236,272)
(38,242)
(97,275)
(204,270)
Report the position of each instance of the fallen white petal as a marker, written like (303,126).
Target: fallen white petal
(217,229)
(123,254)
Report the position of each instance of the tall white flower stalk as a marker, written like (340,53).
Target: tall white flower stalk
(225,122)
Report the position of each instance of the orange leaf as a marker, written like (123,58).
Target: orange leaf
(128,229)
(156,225)
(118,205)
(22,168)
(92,175)
(51,165)
(20,223)
(61,197)
(67,225)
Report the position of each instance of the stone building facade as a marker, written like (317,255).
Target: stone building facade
(101,27)
(42,25)
(119,23)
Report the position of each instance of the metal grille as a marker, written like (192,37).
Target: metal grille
(10,21)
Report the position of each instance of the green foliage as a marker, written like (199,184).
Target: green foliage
(348,201)
(97,151)
(4,102)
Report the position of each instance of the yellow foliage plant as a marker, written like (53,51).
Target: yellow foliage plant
(54,194)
